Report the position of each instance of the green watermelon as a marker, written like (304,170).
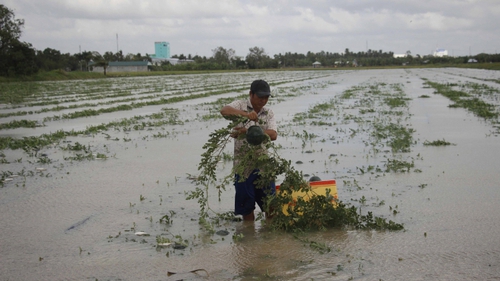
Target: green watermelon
(255,135)
(314,178)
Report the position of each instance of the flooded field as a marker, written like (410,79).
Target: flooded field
(95,175)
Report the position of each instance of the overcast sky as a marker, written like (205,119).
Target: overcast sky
(462,27)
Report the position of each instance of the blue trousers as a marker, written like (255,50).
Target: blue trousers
(247,194)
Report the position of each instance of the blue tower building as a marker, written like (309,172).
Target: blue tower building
(162,50)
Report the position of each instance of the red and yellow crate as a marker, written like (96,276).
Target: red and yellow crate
(315,188)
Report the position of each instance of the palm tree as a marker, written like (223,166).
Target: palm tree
(102,63)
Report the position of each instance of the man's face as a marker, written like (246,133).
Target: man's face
(258,102)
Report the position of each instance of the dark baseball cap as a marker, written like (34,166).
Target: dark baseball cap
(260,88)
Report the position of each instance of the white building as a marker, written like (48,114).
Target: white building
(441,53)
(123,66)
(172,61)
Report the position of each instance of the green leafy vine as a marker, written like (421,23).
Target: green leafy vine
(317,212)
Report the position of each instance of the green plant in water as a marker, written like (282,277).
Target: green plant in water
(316,213)
(398,137)
(162,240)
(437,143)
(101,156)
(396,102)
(398,165)
(166,218)
(19,124)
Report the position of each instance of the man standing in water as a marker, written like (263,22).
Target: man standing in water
(247,194)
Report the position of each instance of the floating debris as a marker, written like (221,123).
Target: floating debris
(41,169)
(8,179)
(179,246)
(164,245)
(299,162)
(192,177)
(76,225)
(169,273)
(237,218)
(222,232)
(142,233)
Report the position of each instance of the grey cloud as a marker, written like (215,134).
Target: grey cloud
(197,27)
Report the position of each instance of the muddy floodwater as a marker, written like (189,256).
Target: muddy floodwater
(95,204)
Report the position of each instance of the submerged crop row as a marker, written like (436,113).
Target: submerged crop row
(470,96)
(160,97)
(377,111)
(21,94)
(158,124)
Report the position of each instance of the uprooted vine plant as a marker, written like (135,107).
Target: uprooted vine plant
(317,212)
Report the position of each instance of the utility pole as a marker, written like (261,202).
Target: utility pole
(81,64)
(117,49)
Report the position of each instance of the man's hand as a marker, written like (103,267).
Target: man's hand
(237,131)
(252,116)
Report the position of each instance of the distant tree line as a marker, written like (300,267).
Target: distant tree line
(21,59)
